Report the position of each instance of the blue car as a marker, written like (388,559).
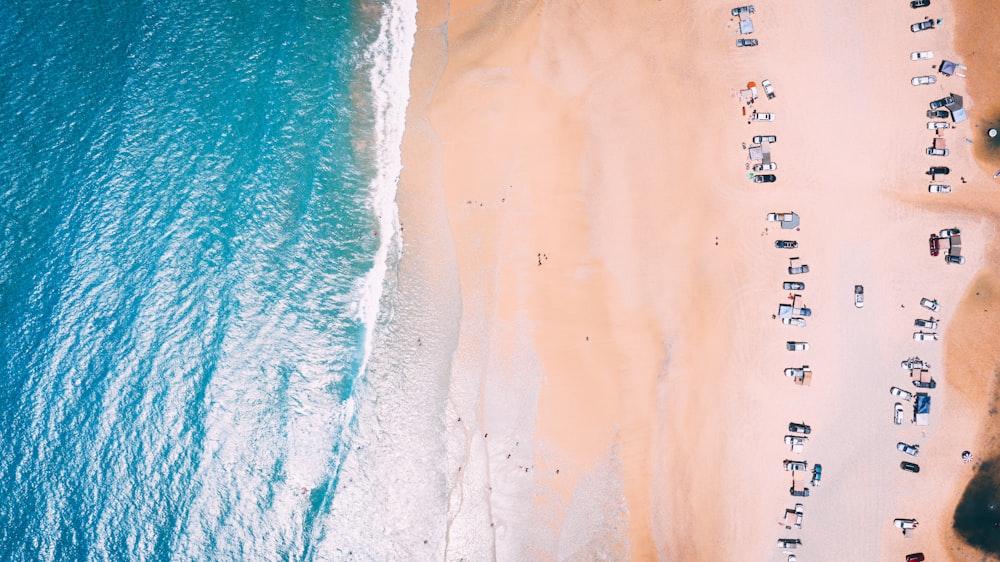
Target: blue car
(817,474)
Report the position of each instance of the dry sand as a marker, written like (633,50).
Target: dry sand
(617,389)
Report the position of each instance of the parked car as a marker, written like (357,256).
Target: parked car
(897,417)
(921,55)
(800,466)
(939,188)
(912,450)
(935,125)
(737,12)
(937,114)
(925,336)
(954,259)
(789,543)
(757,116)
(923,80)
(949,232)
(795,440)
(746,42)
(817,475)
(905,523)
(779,217)
(899,392)
(798,322)
(797,269)
(764,138)
(919,4)
(793,286)
(930,323)
(764,178)
(931,151)
(796,345)
(935,243)
(925,384)
(786,244)
(931,305)
(938,171)
(804,311)
(922,25)
(803,493)
(914,363)
(859,296)
(802,428)
(769,167)
(917,556)
(939,103)
(768,89)
(910,467)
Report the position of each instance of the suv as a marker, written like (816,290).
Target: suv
(905,523)
(914,363)
(762,138)
(817,474)
(762,116)
(768,89)
(897,417)
(949,232)
(954,259)
(769,167)
(939,103)
(938,188)
(931,305)
(922,80)
(921,55)
(935,125)
(797,345)
(915,4)
(799,322)
(922,25)
(931,151)
(926,336)
(764,178)
(737,12)
(928,384)
(859,296)
(938,171)
(746,42)
(786,244)
(793,286)
(937,113)
(789,543)
(802,428)
(935,244)
(909,466)
(803,493)
(930,323)
(896,391)
(912,450)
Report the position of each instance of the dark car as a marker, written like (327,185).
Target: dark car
(786,244)
(921,384)
(915,557)
(746,42)
(937,114)
(764,178)
(937,104)
(793,286)
(923,25)
(920,4)
(799,428)
(803,493)
(935,244)
(938,171)
(761,138)
(909,466)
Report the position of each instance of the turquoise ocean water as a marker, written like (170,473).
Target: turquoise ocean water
(194,221)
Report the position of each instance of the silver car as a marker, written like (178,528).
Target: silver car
(925,336)
(923,80)
(912,450)
(899,392)
(898,415)
(930,323)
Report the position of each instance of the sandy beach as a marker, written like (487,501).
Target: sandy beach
(617,389)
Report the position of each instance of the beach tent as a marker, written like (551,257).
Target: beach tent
(746,26)
(922,409)
(947,67)
(955,103)
(959,115)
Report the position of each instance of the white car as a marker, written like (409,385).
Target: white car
(796,371)
(762,116)
(912,450)
(930,323)
(859,296)
(921,55)
(898,417)
(768,89)
(797,322)
(949,232)
(939,188)
(925,336)
(799,466)
(798,345)
(900,393)
(935,125)
(769,167)
(931,151)
(905,523)
(923,80)
(929,304)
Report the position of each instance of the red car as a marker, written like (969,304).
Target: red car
(918,557)
(935,245)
